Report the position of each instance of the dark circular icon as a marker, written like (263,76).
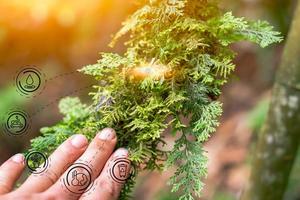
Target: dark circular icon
(28,80)
(36,162)
(16,122)
(120,170)
(78,179)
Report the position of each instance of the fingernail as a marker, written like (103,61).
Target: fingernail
(79,141)
(121,152)
(107,134)
(18,158)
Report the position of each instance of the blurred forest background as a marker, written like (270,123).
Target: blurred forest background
(61,36)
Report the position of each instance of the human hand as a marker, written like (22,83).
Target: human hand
(67,176)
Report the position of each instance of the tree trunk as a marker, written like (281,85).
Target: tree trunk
(278,144)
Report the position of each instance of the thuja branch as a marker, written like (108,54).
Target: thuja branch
(176,61)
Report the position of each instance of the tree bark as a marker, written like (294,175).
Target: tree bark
(278,144)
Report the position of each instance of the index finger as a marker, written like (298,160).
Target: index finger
(79,177)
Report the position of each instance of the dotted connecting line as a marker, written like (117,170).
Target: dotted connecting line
(51,103)
(58,99)
(43,82)
(61,75)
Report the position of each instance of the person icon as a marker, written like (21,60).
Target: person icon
(16,123)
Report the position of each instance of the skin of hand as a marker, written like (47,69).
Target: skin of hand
(48,185)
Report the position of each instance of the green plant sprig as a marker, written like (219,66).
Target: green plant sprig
(177,59)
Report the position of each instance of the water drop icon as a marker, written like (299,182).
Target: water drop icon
(29,82)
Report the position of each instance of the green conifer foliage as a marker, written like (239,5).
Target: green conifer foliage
(177,59)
